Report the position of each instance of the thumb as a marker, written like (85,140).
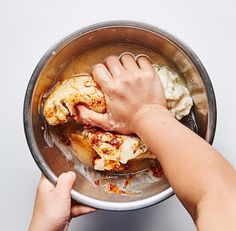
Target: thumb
(93,118)
(65,183)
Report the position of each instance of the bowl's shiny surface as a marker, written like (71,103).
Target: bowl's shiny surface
(50,160)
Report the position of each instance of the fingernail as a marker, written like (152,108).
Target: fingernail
(90,210)
(71,174)
(81,107)
(142,55)
(126,53)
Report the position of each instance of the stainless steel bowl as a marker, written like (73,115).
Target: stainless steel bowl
(50,160)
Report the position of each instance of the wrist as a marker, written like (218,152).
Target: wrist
(40,224)
(150,114)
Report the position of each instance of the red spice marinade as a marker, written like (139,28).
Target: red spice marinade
(157,170)
(115,189)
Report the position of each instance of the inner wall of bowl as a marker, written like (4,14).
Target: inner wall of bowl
(79,44)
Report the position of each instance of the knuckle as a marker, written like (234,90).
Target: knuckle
(117,91)
(112,89)
(127,81)
(138,76)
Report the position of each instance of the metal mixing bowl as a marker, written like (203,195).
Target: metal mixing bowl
(50,160)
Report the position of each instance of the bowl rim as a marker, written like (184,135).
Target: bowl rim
(100,204)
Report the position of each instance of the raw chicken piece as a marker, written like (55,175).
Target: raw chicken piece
(106,150)
(60,105)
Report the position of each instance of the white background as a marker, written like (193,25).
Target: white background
(28,28)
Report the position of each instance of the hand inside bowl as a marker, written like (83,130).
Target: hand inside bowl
(80,98)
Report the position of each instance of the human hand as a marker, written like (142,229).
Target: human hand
(53,208)
(132,89)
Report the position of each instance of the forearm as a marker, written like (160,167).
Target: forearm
(135,103)
(192,166)
(38,225)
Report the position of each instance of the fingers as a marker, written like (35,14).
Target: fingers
(114,65)
(92,118)
(45,184)
(144,63)
(65,183)
(78,210)
(102,76)
(128,61)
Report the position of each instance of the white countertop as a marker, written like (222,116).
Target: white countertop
(29,28)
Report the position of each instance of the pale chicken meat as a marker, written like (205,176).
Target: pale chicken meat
(179,100)
(108,151)
(60,105)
